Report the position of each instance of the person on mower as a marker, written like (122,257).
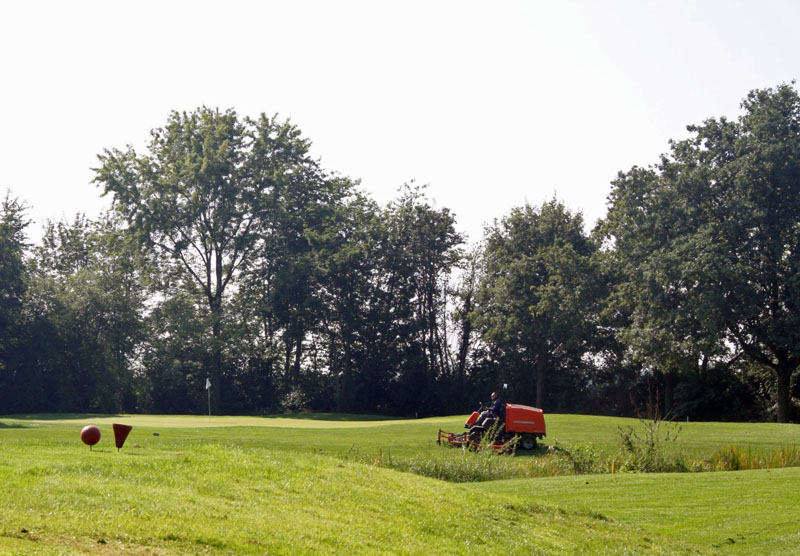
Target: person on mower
(495,411)
(498,408)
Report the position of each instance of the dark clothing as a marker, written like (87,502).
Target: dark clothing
(498,408)
(493,413)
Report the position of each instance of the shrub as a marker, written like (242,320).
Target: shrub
(578,459)
(651,450)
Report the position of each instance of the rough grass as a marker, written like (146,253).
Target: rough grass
(184,492)
(329,485)
(738,458)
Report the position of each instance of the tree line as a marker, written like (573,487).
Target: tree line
(230,255)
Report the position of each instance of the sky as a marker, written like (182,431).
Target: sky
(490,104)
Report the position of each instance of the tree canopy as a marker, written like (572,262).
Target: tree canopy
(231,254)
(709,246)
(533,305)
(203,196)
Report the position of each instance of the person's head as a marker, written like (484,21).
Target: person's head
(494,396)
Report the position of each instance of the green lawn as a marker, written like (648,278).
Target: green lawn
(338,434)
(739,512)
(289,485)
(698,438)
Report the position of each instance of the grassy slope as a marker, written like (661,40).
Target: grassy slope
(215,496)
(265,485)
(742,512)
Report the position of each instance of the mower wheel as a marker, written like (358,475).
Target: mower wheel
(476,433)
(527,442)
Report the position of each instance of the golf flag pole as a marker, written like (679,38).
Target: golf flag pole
(208,389)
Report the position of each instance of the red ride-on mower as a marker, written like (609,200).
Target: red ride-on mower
(520,421)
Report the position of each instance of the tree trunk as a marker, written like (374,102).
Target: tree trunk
(430,318)
(287,362)
(298,352)
(541,371)
(463,348)
(216,357)
(784,392)
(669,392)
(345,386)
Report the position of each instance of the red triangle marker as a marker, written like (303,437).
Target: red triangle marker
(120,434)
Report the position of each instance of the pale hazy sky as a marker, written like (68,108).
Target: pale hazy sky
(491,103)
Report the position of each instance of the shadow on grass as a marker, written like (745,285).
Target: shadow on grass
(331,417)
(14,426)
(56,416)
(539,451)
(341,417)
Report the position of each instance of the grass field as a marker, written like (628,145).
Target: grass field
(739,512)
(310,484)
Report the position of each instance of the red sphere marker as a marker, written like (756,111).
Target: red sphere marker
(90,435)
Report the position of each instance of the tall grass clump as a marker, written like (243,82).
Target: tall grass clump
(578,459)
(467,464)
(650,450)
(484,463)
(738,458)
(459,465)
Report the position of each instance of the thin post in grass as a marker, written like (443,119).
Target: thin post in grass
(208,390)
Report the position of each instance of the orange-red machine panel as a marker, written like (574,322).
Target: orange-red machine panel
(524,419)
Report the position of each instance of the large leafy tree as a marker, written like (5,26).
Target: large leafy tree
(83,311)
(201,196)
(533,305)
(418,249)
(709,240)
(346,256)
(281,303)
(13,283)
(656,315)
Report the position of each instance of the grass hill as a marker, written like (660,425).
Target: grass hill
(319,485)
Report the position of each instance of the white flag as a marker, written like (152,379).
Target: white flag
(208,383)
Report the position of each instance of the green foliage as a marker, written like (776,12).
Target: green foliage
(204,198)
(651,449)
(231,254)
(577,459)
(84,317)
(455,466)
(706,245)
(534,297)
(13,286)
(12,280)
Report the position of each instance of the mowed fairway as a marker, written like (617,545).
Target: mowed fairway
(737,512)
(289,485)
